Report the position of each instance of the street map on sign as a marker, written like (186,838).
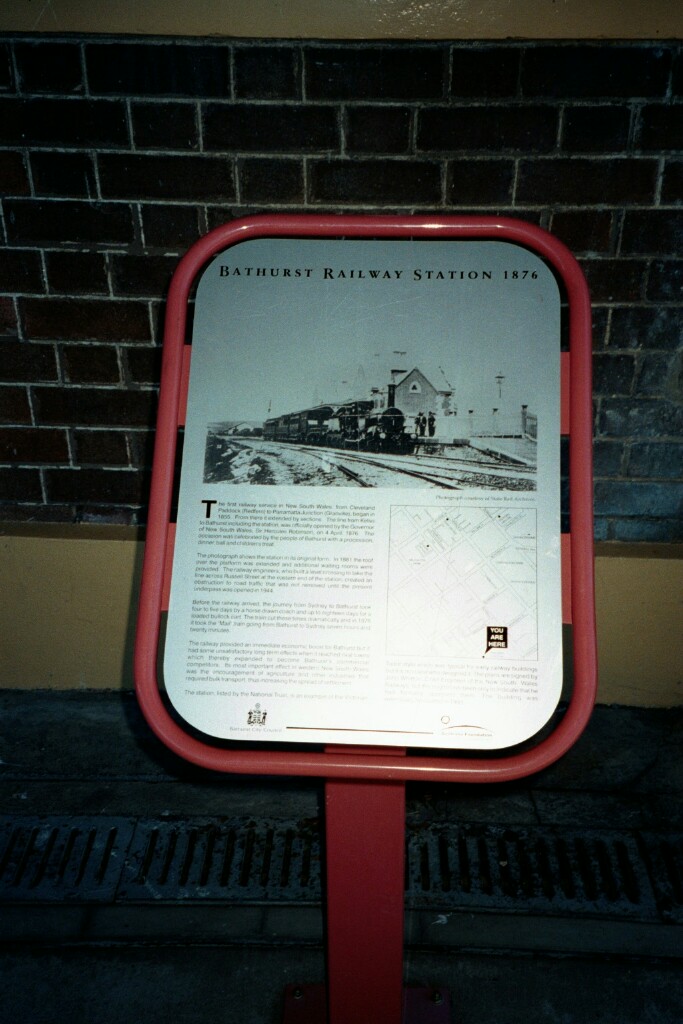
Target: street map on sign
(454,573)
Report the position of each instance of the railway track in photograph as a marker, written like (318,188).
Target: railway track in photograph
(258,461)
(453,474)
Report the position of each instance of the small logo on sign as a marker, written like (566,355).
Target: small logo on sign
(256,716)
(496,638)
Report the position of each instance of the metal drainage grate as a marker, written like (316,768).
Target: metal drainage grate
(237,860)
(77,859)
(531,869)
(622,875)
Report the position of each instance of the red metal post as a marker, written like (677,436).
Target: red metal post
(365,828)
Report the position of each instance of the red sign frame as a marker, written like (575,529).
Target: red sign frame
(577,563)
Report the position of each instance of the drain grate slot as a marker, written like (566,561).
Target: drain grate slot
(664,854)
(77,859)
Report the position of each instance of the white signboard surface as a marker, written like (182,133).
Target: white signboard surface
(368,537)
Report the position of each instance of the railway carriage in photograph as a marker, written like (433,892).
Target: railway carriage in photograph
(352,425)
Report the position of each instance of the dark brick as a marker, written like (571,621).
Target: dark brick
(62,122)
(672,182)
(378,129)
(171,227)
(646,328)
(158,313)
(663,460)
(584,231)
(674,378)
(14,405)
(34,513)
(216,216)
(595,129)
(580,182)
(8,317)
(20,271)
(270,128)
(496,129)
(642,418)
(267,73)
(374,181)
(144,365)
(33,444)
(110,514)
(24,361)
(64,175)
(100,448)
(95,407)
(271,180)
(639,529)
(659,232)
(375,72)
(600,320)
(20,485)
(653,374)
(164,126)
(141,447)
(85,319)
(132,176)
(124,486)
(479,181)
(30,220)
(90,364)
(607,458)
(614,280)
(49,67)
(142,275)
(628,498)
(585,70)
(13,177)
(158,69)
(661,127)
(6,72)
(677,77)
(77,273)
(600,529)
(665,282)
(654,530)
(486,73)
(613,374)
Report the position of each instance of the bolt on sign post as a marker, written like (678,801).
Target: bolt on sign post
(367,572)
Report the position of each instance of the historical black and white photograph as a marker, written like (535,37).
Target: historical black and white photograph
(406,432)
(357,374)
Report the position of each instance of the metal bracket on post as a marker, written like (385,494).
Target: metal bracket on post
(307,1004)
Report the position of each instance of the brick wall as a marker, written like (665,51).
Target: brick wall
(116,154)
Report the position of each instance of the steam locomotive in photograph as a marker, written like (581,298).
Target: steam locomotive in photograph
(352,425)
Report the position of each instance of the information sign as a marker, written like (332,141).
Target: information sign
(368,539)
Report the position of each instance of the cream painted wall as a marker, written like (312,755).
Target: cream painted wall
(352,19)
(69,596)
(639,608)
(67,614)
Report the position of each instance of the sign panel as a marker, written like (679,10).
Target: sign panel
(368,538)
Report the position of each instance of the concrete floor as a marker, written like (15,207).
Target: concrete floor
(90,755)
